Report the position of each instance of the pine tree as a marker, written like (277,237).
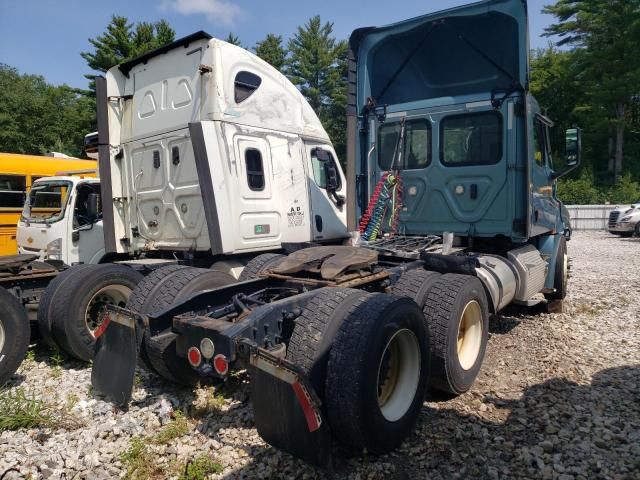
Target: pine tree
(121,42)
(607,36)
(233,39)
(317,65)
(271,50)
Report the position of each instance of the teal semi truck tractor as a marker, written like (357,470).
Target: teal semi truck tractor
(451,198)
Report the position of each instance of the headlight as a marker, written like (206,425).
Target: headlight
(54,249)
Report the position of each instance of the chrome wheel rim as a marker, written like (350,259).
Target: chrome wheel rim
(110,295)
(469,335)
(398,374)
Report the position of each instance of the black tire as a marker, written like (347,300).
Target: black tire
(561,273)
(315,329)
(145,291)
(353,389)
(14,334)
(149,285)
(415,284)
(160,350)
(83,293)
(636,230)
(48,299)
(259,264)
(443,310)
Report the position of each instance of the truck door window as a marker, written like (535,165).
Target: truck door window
(245,84)
(319,171)
(539,152)
(80,215)
(471,139)
(416,151)
(255,169)
(12,191)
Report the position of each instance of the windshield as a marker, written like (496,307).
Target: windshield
(47,201)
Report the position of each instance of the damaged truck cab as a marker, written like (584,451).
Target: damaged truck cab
(210,150)
(452,192)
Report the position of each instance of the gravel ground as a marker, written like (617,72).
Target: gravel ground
(558,397)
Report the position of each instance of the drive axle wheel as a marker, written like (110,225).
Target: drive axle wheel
(377,373)
(145,291)
(173,284)
(259,264)
(14,334)
(470,335)
(315,330)
(398,374)
(110,295)
(47,300)
(457,316)
(79,299)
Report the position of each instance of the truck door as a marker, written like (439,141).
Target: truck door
(544,207)
(329,214)
(87,238)
(271,204)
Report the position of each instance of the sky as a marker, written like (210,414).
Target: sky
(46,37)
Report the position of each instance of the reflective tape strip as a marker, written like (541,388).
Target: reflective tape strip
(314,420)
(97,333)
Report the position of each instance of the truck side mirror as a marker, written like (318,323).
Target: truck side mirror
(331,175)
(573,142)
(573,149)
(92,205)
(332,181)
(322,155)
(91,145)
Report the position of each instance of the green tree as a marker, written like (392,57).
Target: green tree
(122,41)
(36,117)
(271,50)
(553,82)
(607,35)
(233,39)
(317,65)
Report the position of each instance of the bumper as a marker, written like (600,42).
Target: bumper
(626,227)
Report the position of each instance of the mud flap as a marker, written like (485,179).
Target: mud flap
(287,412)
(118,341)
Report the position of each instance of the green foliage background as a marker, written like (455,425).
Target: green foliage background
(592,80)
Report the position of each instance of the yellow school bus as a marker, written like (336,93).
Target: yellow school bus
(17,173)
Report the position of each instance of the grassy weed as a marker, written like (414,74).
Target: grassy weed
(20,410)
(200,468)
(177,428)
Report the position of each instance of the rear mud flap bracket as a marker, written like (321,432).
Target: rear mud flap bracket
(287,410)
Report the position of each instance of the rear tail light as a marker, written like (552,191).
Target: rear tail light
(221,364)
(194,356)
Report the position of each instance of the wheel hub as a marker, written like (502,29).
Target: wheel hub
(469,335)
(398,374)
(110,295)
